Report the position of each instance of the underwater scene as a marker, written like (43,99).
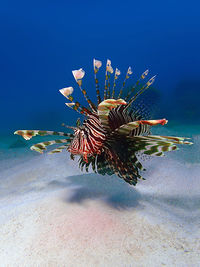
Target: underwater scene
(100,134)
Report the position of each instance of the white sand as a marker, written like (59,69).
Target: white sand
(52,215)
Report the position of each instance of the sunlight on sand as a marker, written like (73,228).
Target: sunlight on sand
(53,215)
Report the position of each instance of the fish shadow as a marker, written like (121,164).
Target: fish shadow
(118,194)
(109,189)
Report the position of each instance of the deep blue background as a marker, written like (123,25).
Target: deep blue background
(42,41)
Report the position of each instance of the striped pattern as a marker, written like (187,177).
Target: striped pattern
(116,131)
(59,149)
(142,90)
(120,116)
(156,145)
(104,109)
(89,138)
(40,147)
(127,129)
(97,89)
(28,134)
(117,73)
(142,77)
(128,73)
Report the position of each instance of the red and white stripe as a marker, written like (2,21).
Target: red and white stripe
(89,138)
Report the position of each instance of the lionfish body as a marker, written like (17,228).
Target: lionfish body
(114,132)
(89,139)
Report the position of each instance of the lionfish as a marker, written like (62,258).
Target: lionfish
(115,132)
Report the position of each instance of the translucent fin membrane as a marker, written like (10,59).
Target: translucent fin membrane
(142,77)
(78,75)
(157,145)
(129,72)
(144,88)
(97,65)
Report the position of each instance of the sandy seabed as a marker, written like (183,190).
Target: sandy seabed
(54,215)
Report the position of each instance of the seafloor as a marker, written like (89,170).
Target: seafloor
(54,215)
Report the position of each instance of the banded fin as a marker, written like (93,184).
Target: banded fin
(128,73)
(142,77)
(28,134)
(78,75)
(124,170)
(97,65)
(136,162)
(117,73)
(104,108)
(156,145)
(58,149)
(126,129)
(175,139)
(40,147)
(68,127)
(91,161)
(78,108)
(103,166)
(108,87)
(66,92)
(144,88)
(109,70)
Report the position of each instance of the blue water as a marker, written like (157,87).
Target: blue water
(42,42)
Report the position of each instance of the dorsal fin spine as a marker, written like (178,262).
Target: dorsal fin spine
(129,72)
(144,88)
(97,64)
(142,77)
